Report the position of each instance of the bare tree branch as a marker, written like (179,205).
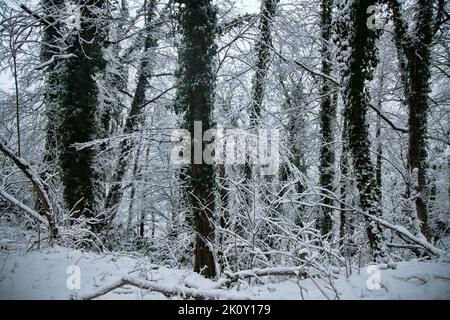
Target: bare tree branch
(38,185)
(212,294)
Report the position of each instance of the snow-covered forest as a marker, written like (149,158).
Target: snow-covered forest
(224,149)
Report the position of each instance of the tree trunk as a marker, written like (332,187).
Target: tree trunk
(195,98)
(327,117)
(359,58)
(79,106)
(379,152)
(136,169)
(344,223)
(414,55)
(51,36)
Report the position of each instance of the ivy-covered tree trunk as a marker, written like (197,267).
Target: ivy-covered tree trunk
(345,220)
(415,60)
(79,107)
(327,117)
(195,100)
(52,45)
(358,57)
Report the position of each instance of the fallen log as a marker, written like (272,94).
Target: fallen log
(183,291)
(298,271)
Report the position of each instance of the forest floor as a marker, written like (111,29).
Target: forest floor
(48,273)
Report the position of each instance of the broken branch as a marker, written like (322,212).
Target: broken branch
(211,294)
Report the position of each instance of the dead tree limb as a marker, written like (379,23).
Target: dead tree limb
(210,294)
(38,185)
(22,206)
(299,271)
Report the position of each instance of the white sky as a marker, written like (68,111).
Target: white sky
(5,82)
(249,6)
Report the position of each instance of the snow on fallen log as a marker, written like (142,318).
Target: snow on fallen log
(208,294)
(212,292)
(256,273)
(229,278)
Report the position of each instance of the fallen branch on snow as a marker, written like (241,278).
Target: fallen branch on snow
(297,271)
(256,273)
(210,294)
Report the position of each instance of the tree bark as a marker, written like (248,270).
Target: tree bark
(327,117)
(78,105)
(195,99)
(360,58)
(415,60)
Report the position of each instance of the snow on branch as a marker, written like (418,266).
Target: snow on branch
(256,273)
(237,22)
(214,292)
(337,84)
(307,68)
(38,185)
(210,294)
(402,231)
(53,59)
(408,235)
(22,206)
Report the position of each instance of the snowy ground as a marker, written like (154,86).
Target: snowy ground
(46,274)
